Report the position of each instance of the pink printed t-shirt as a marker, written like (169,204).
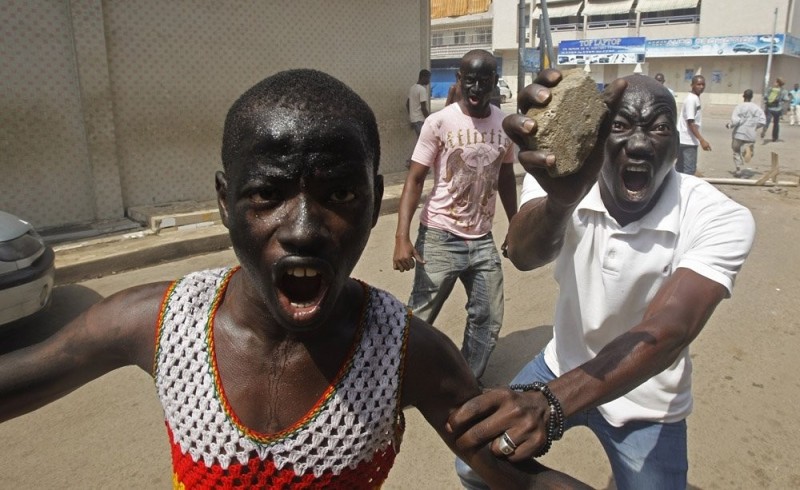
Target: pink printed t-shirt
(466,154)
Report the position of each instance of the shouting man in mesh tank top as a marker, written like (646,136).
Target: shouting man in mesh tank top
(281,372)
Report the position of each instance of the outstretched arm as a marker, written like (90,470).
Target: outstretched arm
(437,381)
(116,332)
(671,322)
(677,313)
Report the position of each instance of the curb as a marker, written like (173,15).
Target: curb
(92,260)
(81,260)
(89,260)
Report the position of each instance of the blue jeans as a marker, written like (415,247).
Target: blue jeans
(643,455)
(687,159)
(774,116)
(476,263)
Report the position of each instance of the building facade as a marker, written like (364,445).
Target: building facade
(727,41)
(111,104)
(457,26)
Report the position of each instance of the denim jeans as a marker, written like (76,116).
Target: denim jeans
(687,159)
(643,455)
(773,116)
(476,263)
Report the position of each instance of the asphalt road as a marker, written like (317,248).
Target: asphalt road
(743,432)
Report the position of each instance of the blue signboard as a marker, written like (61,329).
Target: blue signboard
(791,45)
(753,44)
(619,50)
(624,50)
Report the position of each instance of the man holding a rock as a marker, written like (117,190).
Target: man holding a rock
(644,254)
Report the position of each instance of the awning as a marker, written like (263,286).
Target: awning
(456,8)
(463,19)
(659,5)
(595,7)
(560,8)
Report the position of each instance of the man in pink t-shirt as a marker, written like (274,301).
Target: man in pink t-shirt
(472,159)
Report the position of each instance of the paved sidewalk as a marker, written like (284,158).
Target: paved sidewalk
(172,232)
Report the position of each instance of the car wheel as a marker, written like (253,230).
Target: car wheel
(503,99)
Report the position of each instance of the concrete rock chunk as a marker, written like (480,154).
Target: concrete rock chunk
(568,125)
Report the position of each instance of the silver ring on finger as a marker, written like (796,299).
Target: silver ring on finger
(506,445)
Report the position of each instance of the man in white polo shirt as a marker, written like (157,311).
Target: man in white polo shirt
(644,254)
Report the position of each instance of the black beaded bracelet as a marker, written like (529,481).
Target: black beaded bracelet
(549,442)
(555,424)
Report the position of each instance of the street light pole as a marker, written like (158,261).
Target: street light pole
(769,56)
(521,46)
(547,38)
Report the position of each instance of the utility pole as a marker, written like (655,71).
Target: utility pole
(769,56)
(545,39)
(520,46)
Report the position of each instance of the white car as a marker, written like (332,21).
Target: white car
(27,269)
(505,90)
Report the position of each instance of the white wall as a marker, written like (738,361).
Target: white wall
(108,104)
(505,28)
(731,17)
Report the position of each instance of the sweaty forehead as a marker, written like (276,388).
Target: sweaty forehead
(294,131)
(647,99)
(477,65)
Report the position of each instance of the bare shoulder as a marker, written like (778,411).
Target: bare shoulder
(128,321)
(117,331)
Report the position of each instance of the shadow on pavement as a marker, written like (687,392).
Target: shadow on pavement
(513,351)
(66,303)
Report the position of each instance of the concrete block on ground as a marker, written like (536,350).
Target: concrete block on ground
(173,216)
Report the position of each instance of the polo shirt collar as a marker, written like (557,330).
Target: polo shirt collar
(665,216)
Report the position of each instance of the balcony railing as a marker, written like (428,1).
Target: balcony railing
(611,24)
(456,50)
(566,27)
(677,19)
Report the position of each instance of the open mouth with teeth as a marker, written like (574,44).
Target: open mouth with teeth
(301,291)
(636,180)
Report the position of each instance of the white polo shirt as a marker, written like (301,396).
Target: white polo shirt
(608,274)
